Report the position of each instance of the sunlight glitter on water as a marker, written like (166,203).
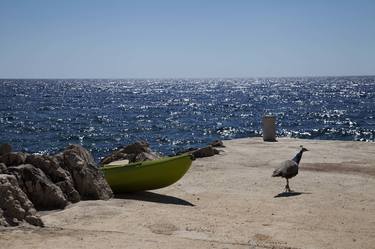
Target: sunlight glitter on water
(173,114)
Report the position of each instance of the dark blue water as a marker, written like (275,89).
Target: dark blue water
(46,115)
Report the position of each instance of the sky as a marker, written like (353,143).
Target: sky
(186,39)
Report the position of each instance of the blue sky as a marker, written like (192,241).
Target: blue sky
(162,39)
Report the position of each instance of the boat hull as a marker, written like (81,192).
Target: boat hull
(146,175)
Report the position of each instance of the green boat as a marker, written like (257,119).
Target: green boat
(146,175)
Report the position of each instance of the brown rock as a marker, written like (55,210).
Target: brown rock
(15,207)
(217,143)
(42,192)
(115,156)
(70,193)
(186,151)
(205,152)
(137,152)
(88,180)
(146,156)
(13,158)
(49,165)
(136,148)
(3,169)
(61,177)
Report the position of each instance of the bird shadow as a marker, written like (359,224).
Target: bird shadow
(289,194)
(154,197)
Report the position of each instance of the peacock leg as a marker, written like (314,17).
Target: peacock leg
(287,189)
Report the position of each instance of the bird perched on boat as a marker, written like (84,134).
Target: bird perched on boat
(289,168)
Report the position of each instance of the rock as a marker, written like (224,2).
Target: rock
(217,143)
(13,158)
(3,221)
(49,165)
(205,152)
(88,180)
(5,149)
(137,152)
(115,156)
(60,159)
(61,177)
(145,156)
(48,182)
(70,193)
(42,192)
(186,151)
(34,220)
(200,152)
(136,148)
(15,207)
(3,169)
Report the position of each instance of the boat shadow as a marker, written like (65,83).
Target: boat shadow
(154,197)
(289,194)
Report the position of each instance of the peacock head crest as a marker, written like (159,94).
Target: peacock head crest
(303,149)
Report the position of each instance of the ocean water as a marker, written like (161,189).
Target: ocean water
(46,115)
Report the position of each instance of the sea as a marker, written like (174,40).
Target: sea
(45,115)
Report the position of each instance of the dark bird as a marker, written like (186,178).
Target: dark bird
(289,168)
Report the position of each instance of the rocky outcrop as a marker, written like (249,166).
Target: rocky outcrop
(51,166)
(145,156)
(205,152)
(13,158)
(217,143)
(46,183)
(88,179)
(3,169)
(137,147)
(115,156)
(15,207)
(42,192)
(136,152)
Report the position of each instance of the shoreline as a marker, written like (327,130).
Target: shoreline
(228,201)
(97,158)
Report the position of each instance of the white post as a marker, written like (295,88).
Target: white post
(269,128)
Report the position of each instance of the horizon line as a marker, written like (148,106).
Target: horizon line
(214,77)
